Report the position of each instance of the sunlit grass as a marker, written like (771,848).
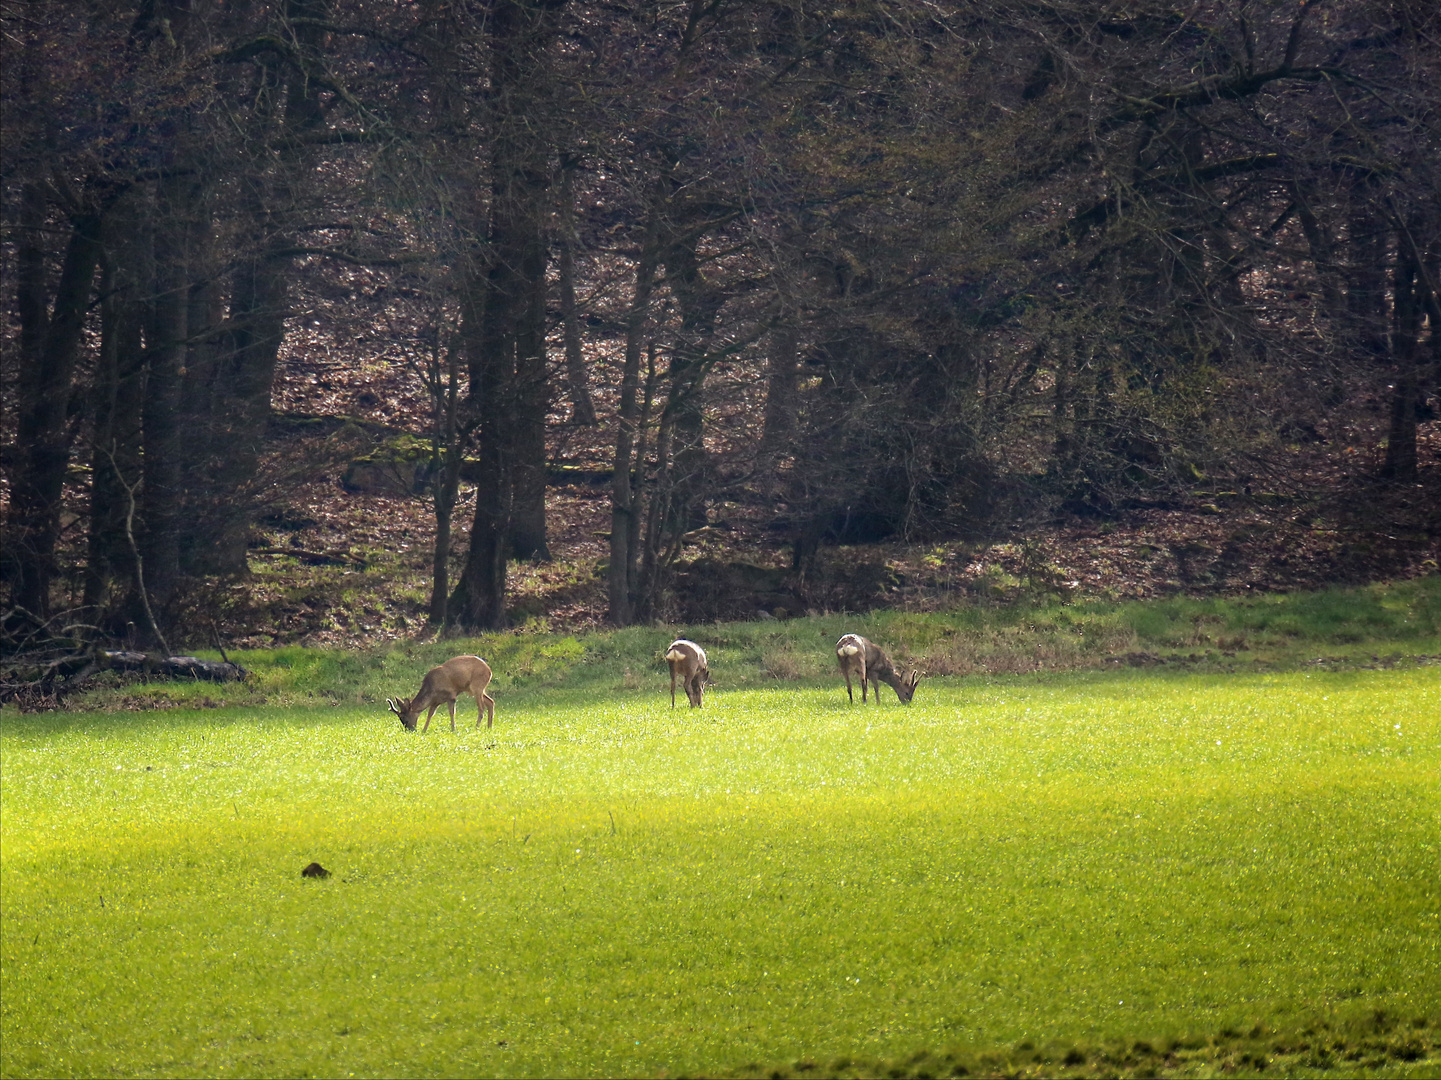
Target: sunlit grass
(604,886)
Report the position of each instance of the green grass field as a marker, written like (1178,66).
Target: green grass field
(1020,869)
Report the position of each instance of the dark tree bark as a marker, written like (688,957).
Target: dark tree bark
(1322,252)
(46,384)
(624,507)
(700,303)
(117,400)
(230,371)
(238,409)
(654,561)
(531,393)
(577,378)
(450,450)
(782,373)
(30,298)
(165,357)
(479,598)
(1366,284)
(504,317)
(18,557)
(1409,294)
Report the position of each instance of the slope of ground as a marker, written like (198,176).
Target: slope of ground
(336,562)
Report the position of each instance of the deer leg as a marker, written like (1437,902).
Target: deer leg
(849,696)
(428,716)
(451,703)
(672,687)
(488,705)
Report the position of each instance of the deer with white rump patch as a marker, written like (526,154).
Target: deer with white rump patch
(442,685)
(687,660)
(869,663)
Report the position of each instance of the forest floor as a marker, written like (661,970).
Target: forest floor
(342,551)
(343,555)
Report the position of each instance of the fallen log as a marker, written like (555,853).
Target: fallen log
(173,667)
(35,680)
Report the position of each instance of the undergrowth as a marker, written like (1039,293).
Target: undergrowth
(1377,625)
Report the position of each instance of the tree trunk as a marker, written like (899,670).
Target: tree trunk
(230,372)
(46,384)
(447,485)
(165,356)
(782,373)
(116,404)
(32,311)
(1063,445)
(1407,301)
(652,564)
(577,379)
(504,320)
(1366,284)
(478,602)
(1322,258)
(30,301)
(624,521)
(531,394)
(231,432)
(699,304)
(479,599)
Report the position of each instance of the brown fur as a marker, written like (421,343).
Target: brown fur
(868,662)
(442,685)
(687,660)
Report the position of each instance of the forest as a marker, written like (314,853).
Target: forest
(809,274)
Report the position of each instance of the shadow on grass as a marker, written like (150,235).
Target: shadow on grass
(1380,1044)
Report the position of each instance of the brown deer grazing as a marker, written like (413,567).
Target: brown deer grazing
(687,659)
(442,685)
(869,663)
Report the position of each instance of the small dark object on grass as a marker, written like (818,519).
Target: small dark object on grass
(315,870)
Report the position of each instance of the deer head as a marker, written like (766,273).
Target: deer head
(401,709)
(906,687)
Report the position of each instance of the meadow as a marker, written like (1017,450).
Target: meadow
(1105,870)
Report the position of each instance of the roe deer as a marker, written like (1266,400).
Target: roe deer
(442,685)
(867,661)
(687,659)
